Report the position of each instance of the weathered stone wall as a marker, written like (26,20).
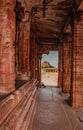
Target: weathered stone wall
(7,50)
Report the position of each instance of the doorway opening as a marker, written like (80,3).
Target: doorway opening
(49,69)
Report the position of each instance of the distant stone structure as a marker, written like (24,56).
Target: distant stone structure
(28,29)
(47,67)
(50,69)
(45,64)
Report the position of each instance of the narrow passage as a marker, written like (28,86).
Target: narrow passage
(53,112)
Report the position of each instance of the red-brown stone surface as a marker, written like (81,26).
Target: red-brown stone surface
(17,110)
(66,66)
(77,84)
(22,50)
(7,51)
(60,72)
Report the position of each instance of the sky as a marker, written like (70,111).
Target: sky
(52,57)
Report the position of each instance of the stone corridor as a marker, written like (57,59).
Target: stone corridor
(28,29)
(53,112)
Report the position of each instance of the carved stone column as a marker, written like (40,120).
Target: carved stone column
(7,38)
(60,68)
(23,51)
(66,64)
(28,51)
(36,61)
(38,70)
(33,54)
(77,68)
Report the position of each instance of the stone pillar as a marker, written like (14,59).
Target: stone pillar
(66,64)
(33,54)
(7,51)
(23,51)
(77,68)
(28,51)
(36,61)
(60,68)
(22,43)
(40,69)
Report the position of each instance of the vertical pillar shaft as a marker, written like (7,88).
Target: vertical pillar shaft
(7,38)
(66,66)
(77,72)
(60,68)
(22,53)
(36,61)
(40,68)
(33,55)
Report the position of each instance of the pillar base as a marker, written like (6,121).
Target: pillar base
(5,90)
(76,104)
(65,91)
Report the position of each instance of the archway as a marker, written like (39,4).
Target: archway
(49,69)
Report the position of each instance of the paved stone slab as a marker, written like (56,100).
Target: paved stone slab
(79,112)
(53,113)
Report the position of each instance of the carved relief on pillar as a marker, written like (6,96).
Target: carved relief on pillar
(66,66)
(7,34)
(65,63)
(77,82)
(23,51)
(60,73)
(32,54)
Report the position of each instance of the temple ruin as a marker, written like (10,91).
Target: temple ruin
(28,29)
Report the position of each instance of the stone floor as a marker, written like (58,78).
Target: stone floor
(53,112)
